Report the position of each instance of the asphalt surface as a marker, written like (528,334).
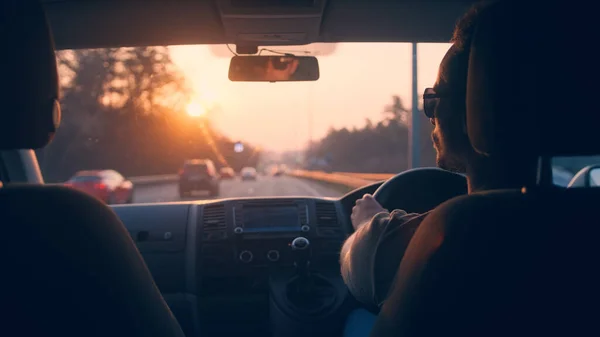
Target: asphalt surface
(264,186)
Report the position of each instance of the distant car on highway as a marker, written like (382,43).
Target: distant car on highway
(107,185)
(248,173)
(198,175)
(227,173)
(281,170)
(276,170)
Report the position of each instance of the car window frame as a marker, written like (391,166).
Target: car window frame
(20,166)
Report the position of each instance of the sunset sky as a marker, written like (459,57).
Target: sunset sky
(357,81)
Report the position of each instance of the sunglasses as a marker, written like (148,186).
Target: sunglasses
(430,102)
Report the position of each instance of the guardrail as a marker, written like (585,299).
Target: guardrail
(154,180)
(368,176)
(348,179)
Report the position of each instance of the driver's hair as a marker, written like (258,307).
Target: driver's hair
(465,27)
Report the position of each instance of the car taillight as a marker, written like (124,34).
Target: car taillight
(100,186)
(180,171)
(68,184)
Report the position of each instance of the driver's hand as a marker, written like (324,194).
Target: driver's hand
(366,208)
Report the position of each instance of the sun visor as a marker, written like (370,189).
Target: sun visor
(30,112)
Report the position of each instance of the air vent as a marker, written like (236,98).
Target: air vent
(238,216)
(326,215)
(213,217)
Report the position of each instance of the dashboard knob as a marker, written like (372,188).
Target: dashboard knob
(273,255)
(238,230)
(300,243)
(305,228)
(246,256)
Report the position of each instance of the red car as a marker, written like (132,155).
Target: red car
(107,185)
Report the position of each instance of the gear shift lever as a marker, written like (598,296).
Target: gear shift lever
(301,255)
(308,293)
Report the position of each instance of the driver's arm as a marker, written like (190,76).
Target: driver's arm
(371,256)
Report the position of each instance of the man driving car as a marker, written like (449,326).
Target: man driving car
(371,256)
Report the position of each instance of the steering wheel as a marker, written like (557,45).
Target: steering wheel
(420,190)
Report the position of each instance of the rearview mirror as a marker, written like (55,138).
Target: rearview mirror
(273,68)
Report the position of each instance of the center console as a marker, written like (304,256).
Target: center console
(275,263)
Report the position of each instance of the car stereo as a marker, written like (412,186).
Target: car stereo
(258,219)
(261,218)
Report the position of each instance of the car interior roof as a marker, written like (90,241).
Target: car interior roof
(78,24)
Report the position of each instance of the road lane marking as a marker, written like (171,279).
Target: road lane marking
(313,192)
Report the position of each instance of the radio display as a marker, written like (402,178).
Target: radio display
(271,219)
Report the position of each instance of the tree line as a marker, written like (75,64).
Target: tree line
(125,109)
(377,147)
(382,147)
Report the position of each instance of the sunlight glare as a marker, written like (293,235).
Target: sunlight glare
(195,110)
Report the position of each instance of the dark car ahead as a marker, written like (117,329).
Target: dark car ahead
(198,175)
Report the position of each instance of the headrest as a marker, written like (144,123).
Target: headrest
(525,95)
(30,112)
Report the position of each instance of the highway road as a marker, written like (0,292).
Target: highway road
(264,186)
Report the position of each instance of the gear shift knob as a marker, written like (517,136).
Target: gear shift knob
(300,243)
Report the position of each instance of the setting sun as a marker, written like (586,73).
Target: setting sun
(195,110)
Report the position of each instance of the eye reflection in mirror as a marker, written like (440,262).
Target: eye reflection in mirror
(595,177)
(273,68)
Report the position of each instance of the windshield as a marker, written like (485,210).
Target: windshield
(144,112)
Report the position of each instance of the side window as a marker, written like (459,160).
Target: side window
(595,177)
(579,171)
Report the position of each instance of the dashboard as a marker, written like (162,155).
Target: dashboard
(244,261)
(258,233)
